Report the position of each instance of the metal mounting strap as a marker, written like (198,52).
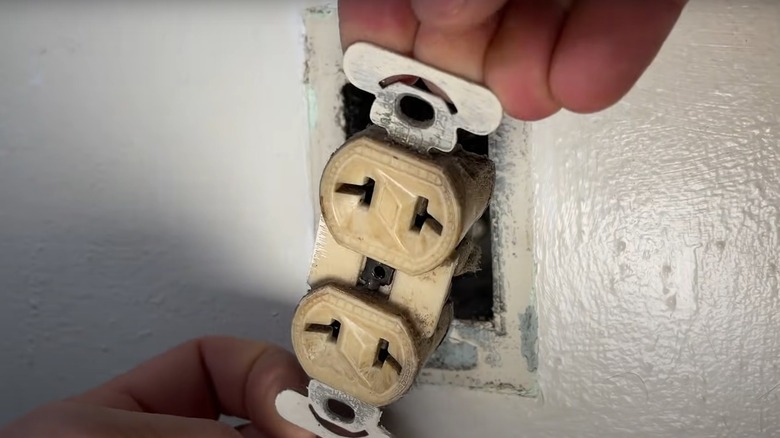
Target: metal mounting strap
(313,413)
(476,109)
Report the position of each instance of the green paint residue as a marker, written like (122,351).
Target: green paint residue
(529,333)
(454,356)
(311,98)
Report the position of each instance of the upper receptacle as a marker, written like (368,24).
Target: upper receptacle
(402,208)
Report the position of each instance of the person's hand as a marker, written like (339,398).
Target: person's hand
(180,394)
(538,56)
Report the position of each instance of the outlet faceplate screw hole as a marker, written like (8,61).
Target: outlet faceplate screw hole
(383,353)
(417,110)
(333,329)
(341,410)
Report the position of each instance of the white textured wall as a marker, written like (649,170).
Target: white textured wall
(658,252)
(140,204)
(658,247)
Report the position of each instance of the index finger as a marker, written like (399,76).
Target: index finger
(605,47)
(208,377)
(387,23)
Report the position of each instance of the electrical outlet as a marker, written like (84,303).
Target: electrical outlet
(377,312)
(400,209)
(491,344)
(359,345)
(357,336)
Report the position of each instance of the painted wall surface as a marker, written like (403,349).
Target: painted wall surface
(153,188)
(152,184)
(656,238)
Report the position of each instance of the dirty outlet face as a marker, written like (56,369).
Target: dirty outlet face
(492,341)
(471,293)
(353,346)
(394,206)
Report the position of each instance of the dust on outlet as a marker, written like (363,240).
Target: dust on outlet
(492,342)
(471,293)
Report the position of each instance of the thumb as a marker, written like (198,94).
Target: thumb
(249,431)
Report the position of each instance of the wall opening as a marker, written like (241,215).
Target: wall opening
(472,294)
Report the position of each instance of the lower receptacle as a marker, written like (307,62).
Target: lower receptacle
(360,344)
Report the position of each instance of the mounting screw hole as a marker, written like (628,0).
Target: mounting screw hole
(379,273)
(417,109)
(341,410)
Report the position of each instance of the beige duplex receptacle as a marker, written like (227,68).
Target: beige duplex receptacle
(373,343)
(497,355)
(399,208)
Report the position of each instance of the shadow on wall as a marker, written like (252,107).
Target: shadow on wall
(139,202)
(88,302)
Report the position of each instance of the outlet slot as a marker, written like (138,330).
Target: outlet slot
(333,330)
(472,294)
(422,217)
(383,357)
(364,192)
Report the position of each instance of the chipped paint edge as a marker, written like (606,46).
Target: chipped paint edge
(322,58)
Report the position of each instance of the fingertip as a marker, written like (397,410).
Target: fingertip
(274,373)
(455,14)
(525,100)
(525,104)
(517,64)
(459,52)
(584,101)
(605,48)
(533,113)
(588,82)
(387,23)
